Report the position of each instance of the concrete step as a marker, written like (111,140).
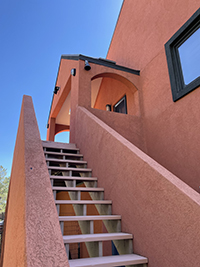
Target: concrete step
(89,218)
(72,178)
(109,261)
(68,239)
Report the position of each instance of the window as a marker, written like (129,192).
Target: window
(183,57)
(120,106)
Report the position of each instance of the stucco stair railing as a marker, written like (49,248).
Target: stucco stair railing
(97,234)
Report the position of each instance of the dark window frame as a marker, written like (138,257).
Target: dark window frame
(119,102)
(178,87)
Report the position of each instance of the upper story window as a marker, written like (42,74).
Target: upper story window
(121,106)
(189,53)
(183,57)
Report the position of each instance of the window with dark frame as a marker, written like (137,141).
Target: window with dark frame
(183,57)
(121,106)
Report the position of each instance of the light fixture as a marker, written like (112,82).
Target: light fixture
(108,107)
(56,89)
(87,65)
(73,72)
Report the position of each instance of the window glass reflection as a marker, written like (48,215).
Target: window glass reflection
(189,53)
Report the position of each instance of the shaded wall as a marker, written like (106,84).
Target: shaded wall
(33,236)
(161,211)
(111,91)
(171,129)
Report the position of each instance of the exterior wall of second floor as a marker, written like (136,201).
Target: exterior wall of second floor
(171,128)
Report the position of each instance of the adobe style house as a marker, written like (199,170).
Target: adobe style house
(135,117)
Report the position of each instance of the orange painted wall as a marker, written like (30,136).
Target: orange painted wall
(171,129)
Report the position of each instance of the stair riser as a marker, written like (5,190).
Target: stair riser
(81,210)
(96,247)
(88,226)
(74,183)
(70,172)
(77,195)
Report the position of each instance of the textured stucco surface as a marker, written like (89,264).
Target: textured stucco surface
(171,129)
(130,127)
(161,211)
(15,236)
(33,236)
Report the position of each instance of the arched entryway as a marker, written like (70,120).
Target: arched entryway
(111,90)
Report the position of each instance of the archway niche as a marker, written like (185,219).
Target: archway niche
(110,88)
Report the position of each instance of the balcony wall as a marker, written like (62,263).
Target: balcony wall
(129,126)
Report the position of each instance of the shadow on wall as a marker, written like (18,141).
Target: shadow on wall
(110,90)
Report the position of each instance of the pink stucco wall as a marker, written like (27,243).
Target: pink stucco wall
(130,127)
(33,236)
(171,129)
(161,211)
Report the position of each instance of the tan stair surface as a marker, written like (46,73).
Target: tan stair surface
(84,202)
(95,237)
(109,261)
(63,154)
(69,169)
(89,218)
(82,178)
(82,189)
(66,161)
(58,145)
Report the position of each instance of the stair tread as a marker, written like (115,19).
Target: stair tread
(95,237)
(66,160)
(69,169)
(89,218)
(86,189)
(58,145)
(93,202)
(108,261)
(74,178)
(63,154)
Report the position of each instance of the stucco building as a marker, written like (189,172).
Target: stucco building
(135,118)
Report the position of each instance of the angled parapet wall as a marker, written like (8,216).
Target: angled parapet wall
(130,127)
(161,211)
(32,232)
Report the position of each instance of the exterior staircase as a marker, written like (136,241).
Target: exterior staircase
(93,233)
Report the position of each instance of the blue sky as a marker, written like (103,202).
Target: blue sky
(33,36)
